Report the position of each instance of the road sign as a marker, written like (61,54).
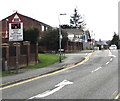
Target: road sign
(83,37)
(61,50)
(16,19)
(16,29)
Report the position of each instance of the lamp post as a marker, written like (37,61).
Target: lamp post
(60,38)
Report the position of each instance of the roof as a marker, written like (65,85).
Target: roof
(101,43)
(29,18)
(74,31)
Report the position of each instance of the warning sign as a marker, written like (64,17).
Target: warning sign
(16,29)
(16,19)
(16,32)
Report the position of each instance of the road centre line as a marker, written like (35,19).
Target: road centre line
(107,63)
(59,71)
(111,59)
(96,70)
(114,92)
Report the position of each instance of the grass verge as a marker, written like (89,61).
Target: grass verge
(45,60)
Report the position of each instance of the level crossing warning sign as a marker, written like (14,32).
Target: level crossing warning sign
(16,29)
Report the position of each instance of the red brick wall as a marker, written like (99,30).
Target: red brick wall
(23,59)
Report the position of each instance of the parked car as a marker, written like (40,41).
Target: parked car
(96,48)
(113,47)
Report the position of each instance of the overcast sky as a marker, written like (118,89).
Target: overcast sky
(101,16)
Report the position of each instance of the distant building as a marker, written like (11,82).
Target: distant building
(78,39)
(74,35)
(28,22)
(102,44)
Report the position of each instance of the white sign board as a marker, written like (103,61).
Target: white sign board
(16,31)
(61,49)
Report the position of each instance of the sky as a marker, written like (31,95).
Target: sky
(101,16)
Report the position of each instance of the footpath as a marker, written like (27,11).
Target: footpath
(71,59)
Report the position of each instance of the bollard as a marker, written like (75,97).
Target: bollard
(6,66)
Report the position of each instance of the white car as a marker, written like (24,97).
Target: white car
(96,48)
(113,47)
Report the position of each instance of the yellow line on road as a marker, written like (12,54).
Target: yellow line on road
(117,96)
(110,53)
(22,82)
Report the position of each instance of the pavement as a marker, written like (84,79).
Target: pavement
(71,59)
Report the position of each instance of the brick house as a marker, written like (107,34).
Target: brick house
(28,22)
(27,53)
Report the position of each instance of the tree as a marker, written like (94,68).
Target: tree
(31,34)
(50,40)
(115,39)
(65,26)
(76,20)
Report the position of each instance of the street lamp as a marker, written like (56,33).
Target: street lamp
(60,38)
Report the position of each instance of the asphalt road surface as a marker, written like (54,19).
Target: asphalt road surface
(97,78)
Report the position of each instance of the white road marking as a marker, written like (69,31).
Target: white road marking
(49,92)
(107,63)
(115,93)
(117,96)
(112,56)
(96,69)
(64,82)
(111,59)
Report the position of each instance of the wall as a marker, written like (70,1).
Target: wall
(27,55)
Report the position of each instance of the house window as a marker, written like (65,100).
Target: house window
(46,28)
(43,28)
(16,19)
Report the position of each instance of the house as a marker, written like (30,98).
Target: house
(87,42)
(26,52)
(28,22)
(101,44)
(77,39)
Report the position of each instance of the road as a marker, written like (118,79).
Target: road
(97,78)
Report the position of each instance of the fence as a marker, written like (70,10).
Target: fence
(27,55)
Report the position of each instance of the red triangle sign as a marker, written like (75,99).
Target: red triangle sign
(16,19)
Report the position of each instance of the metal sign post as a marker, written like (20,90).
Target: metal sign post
(16,34)
(17,57)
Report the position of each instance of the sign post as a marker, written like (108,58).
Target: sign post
(16,34)
(17,65)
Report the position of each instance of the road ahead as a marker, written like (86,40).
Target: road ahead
(95,79)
